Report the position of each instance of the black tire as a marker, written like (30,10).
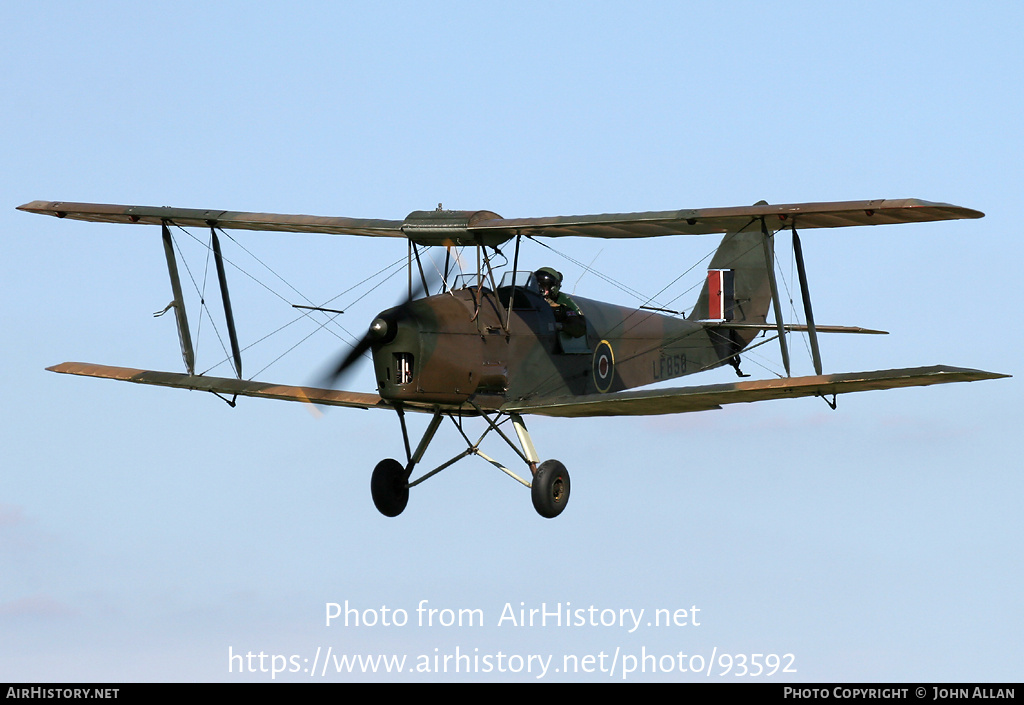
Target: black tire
(388,488)
(550,489)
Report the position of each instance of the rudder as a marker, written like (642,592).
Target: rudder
(743,254)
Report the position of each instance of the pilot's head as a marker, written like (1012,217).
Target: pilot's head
(549,282)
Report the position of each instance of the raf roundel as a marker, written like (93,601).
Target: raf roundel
(604,366)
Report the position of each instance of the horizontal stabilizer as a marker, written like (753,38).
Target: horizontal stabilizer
(224,385)
(682,399)
(793,328)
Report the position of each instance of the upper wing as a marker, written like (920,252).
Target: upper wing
(724,220)
(680,399)
(234,220)
(443,227)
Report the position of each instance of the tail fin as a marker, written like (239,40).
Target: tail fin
(743,254)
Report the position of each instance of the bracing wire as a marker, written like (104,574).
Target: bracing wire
(306,314)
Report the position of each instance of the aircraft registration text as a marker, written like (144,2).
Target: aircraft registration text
(668,366)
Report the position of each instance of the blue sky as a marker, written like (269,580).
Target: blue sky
(144,532)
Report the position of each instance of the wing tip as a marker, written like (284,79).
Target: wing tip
(36,207)
(972,373)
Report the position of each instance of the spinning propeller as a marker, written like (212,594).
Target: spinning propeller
(382,330)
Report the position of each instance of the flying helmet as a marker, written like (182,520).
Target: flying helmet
(549,281)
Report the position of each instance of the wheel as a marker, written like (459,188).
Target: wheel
(388,488)
(550,489)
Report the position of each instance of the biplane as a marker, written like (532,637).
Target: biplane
(500,349)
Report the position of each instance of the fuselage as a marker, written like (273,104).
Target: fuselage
(465,345)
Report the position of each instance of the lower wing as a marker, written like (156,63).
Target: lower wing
(225,385)
(682,399)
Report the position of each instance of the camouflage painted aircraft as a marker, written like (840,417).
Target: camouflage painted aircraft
(500,351)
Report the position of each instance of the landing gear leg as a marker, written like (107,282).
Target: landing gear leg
(550,486)
(391,481)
